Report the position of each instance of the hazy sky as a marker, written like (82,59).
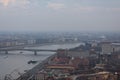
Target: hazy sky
(59,15)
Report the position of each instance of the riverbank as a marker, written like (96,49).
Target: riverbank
(16,62)
(37,45)
(32,72)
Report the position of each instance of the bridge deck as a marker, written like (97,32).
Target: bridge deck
(28,50)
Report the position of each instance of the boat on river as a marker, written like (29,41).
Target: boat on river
(32,62)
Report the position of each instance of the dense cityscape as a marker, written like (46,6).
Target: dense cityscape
(59,39)
(97,58)
(23,39)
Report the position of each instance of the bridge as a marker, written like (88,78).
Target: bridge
(33,50)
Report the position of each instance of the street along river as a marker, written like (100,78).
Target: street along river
(16,62)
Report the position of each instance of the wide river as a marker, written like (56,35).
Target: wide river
(16,62)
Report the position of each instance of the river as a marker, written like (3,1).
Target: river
(16,62)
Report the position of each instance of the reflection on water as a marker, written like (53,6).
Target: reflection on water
(17,61)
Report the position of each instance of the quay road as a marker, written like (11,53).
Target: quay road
(22,49)
(31,73)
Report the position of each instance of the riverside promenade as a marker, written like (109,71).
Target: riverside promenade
(29,74)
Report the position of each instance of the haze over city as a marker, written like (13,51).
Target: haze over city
(59,39)
(60,15)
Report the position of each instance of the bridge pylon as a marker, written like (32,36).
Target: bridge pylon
(6,52)
(35,52)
